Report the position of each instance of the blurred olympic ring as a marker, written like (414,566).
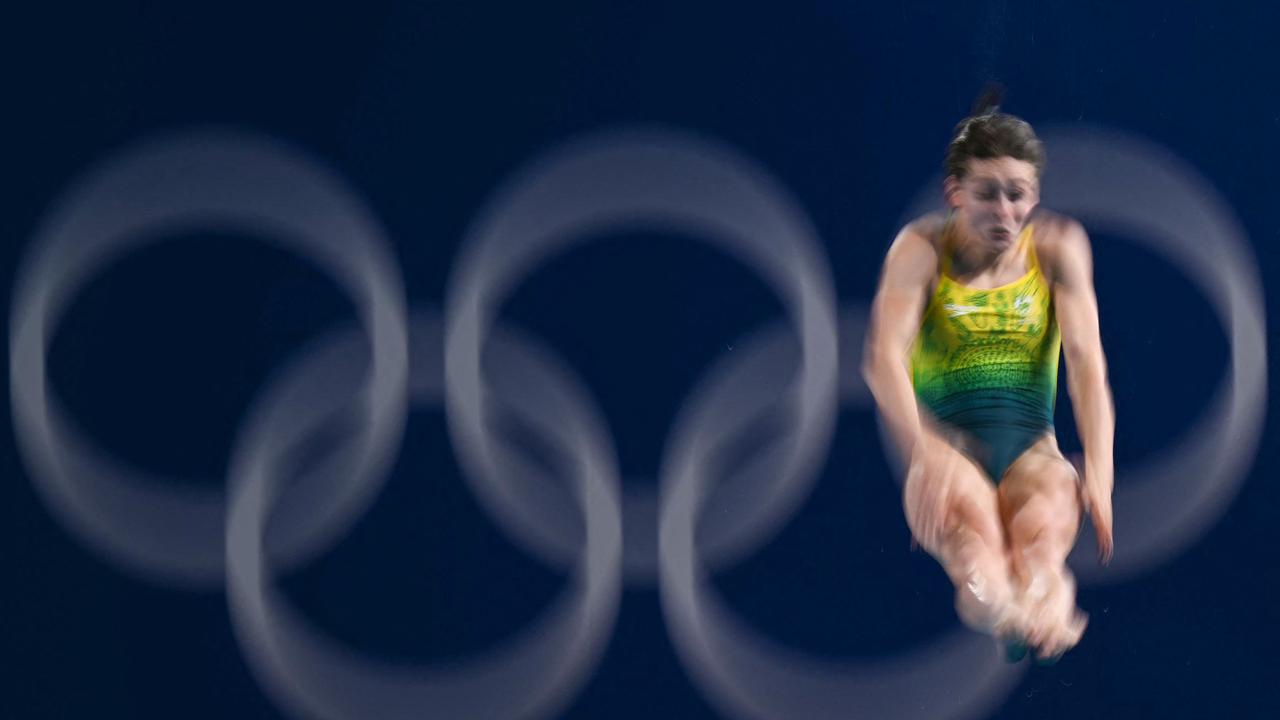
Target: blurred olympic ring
(158,190)
(658,182)
(531,676)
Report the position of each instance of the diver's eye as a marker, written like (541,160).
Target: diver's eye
(1015,196)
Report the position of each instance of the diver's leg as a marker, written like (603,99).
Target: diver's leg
(971,549)
(1040,508)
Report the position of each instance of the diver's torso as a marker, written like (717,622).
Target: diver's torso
(982,346)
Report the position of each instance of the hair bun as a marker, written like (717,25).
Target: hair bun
(988,102)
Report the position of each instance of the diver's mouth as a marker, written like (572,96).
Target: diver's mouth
(1000,234)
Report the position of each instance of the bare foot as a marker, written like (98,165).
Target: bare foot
(1055,623)
(1062,637)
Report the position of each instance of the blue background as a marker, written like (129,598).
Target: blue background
(426,108)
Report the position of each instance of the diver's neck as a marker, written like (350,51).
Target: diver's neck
(971,256)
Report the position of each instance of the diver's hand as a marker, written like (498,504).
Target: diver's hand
(1095,494)
(927,495)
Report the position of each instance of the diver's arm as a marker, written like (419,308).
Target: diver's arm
(1076,306)
(908,272)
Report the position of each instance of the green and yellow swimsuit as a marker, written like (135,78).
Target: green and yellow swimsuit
(986,361)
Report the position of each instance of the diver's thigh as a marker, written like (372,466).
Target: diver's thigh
(972,508)
(1043,484)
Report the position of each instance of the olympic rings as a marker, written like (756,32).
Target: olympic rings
(788,380)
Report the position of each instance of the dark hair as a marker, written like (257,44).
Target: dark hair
(989,133)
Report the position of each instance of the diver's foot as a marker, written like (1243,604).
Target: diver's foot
(1056,624)
(1011,633)
(1051,646)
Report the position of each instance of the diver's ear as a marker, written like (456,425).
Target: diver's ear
(951,191)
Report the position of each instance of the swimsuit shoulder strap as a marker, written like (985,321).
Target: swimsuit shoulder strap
(944,249)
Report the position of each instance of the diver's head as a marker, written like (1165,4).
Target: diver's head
(993,173)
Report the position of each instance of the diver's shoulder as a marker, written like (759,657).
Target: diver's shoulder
(913,256)
(1055,227)
(1057,237)
(927,228)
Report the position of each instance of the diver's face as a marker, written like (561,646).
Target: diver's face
(994,199)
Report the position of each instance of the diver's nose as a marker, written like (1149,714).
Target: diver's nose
(1004,210)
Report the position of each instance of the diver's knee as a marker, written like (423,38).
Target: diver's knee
(964,549)
(1042,526)
(978,572)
